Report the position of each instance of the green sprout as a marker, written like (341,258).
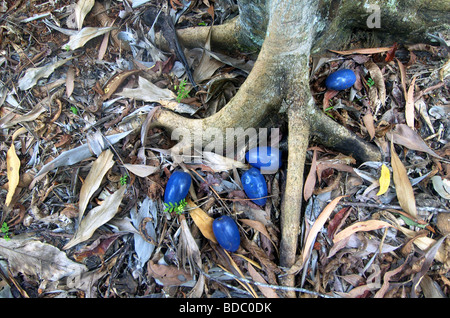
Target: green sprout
(123,179)
(74,110)
(178,208)
(181,91)
(5,230)
(370,82)
(67,47)
(328,111)
(203,23)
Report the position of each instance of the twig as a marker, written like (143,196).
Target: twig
(394,207)
(249,281)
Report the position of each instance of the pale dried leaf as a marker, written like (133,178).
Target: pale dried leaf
(70,81)
(86,34)
(442,186)
(403,187)
(97,217)
(33,257)
(368,123)
(148,92)
(82,8)
(258,226)
(168,275)
(368,225)
(409,106)
(32,75)
(141,170)
(99,168)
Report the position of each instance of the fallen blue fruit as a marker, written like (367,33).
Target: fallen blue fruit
(340,80)
(255,186)
(177,187)
(227,233)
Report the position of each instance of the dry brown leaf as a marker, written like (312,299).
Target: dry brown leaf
(317,226)
(369,225)
(168,275)
(86,34)
(258,226)
(377,76)
(267,291)
(403,187)
(310,182)
(363,51)
(97,217)
(403,135)
(202,220)
(368,123)
(99,168)
(409,106)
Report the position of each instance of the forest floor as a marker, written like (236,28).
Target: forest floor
(82,215)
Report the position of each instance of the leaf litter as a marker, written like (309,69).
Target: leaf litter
(82,182)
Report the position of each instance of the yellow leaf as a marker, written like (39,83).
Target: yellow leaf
(12,167)
(403,187)
(385,180)
(202,220)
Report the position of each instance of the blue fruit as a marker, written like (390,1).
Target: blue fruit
(267,159)
(177,187)
(227,233)
(340,80)
(254,186)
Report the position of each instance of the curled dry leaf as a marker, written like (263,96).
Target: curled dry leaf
(409,106)
(12,171)
(97,217)
(442,186)
(403,187)
(99,168)
(369,225)
(363,51)
(310,182)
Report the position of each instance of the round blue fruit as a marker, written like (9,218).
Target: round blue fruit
(267,159)
(340,80)
(255,186)
(177,187)
(227,233)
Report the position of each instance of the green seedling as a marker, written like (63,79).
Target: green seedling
(74,110)
(67,47)
(181,90)
(328,111)
(5,231)
(370,82)
(123,179)
(177,208)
